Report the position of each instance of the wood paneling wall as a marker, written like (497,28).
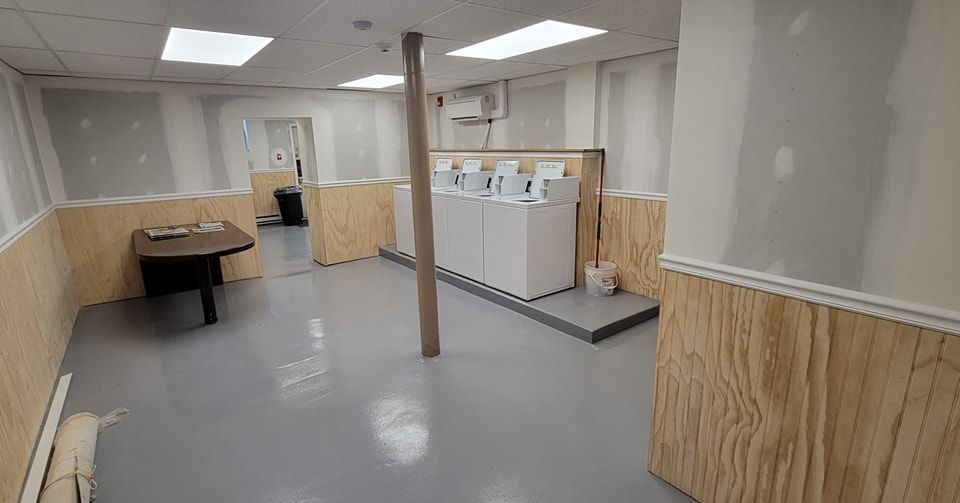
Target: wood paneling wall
(99,241)
(264,183)
(765,398)
(633,239)
(350,222)
(38,308)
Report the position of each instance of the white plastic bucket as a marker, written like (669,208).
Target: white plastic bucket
(602,280)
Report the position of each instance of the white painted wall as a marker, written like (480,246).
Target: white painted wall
(582,93)
(264,137)
(624,105)
(142,138)
(817,141)
(536,116)
(23,189)
(636,120)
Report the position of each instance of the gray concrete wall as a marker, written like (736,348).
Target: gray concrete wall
(112,138)
(817,140)
(23,188)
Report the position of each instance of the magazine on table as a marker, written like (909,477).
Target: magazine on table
(204,227)
(166,232)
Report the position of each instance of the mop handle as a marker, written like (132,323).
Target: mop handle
(596,260)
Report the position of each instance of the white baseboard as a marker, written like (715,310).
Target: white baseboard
(633,194)
(20,230)
(934,318)
(79,203)
(349,183)
(38,465)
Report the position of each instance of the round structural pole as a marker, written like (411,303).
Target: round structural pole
(415,96)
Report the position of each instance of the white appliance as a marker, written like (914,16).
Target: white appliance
(403,218)
(443,181)
(465,218)
(443,173)
(465,234)
(403,222)
(471,178)
(518,236)
(529,239)
(471,108)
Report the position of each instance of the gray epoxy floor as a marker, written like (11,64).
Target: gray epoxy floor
(311,389)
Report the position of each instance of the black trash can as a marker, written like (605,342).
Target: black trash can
(291,207)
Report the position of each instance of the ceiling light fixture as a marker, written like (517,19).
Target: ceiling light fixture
(532,38)
(377,81)
(215,48)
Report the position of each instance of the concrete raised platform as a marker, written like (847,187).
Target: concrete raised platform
(573,312)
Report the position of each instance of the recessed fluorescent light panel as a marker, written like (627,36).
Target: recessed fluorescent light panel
(197,46)
(377,81)
(529,39)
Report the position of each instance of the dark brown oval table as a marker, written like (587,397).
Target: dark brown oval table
(199,248)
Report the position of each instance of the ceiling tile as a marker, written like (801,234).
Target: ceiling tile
(371,61)
(432,45)
(326,77)
(298,54)
(526,72)
(296,85)
(108,65)
(6,4)
(14,31)
(180,69)
(538,7)
(97,35)
(26,60)
(367,62)
(263,75)
(656,45)
(249,17)
(439,85)
(473,23)
(246,83)
(334,21)
(191,80)
(438,65)
(330,76)
(138,11)
(593,47)
(653,18)
(499,70)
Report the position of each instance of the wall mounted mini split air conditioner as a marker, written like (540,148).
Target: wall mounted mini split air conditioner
(470,108)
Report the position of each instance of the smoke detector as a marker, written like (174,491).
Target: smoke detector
(362,24)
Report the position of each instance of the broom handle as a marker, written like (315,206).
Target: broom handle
(596,260)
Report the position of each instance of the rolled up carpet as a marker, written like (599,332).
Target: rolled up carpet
(70,474)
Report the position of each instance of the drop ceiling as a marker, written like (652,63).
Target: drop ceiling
(316,44)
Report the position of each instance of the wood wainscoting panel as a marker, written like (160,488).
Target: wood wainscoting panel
(588,169)
(99,241)
(264,183)
(314,213)
(38,308)
(760,397)
(632,237)
(350,222)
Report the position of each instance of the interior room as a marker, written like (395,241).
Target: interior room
(290,251)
